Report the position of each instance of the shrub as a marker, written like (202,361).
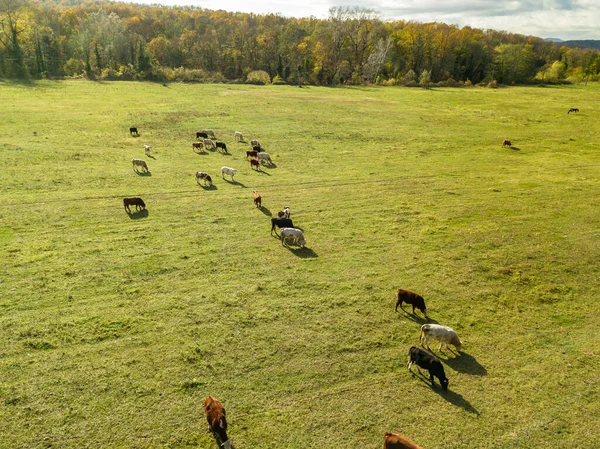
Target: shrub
(259,77)
(74,67)
(468,83)
(278,80)
(451,82)
(409,77)
(493,84)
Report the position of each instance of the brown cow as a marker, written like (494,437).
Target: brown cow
(133,201)
(252,153)
(254,163)
(197,146)
(506,143)
(257,199)
(411,298)
(397,441)
(217,423)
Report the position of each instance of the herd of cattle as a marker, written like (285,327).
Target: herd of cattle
(289,234)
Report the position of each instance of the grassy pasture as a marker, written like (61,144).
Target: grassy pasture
(115,327)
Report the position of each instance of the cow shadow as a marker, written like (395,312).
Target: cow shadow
(271,165)
(416,318)
(465,363)
(263,172)
(453,398)
(265,211)
(138,214)
(235,183)
(151,157)
(143,173)
(515,149)
(303,253)
(226,154)
(211,187)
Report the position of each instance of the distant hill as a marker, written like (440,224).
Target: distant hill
(553,39)
(593,44)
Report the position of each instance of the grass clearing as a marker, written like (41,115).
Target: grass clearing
(116,327)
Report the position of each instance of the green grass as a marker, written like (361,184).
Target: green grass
(114,329)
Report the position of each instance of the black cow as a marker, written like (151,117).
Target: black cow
(222,145)
(280,223)
(201,135)
(573,110)
(134,132)
(133,201)
(257,148)
(425,360)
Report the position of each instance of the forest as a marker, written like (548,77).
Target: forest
(124,41)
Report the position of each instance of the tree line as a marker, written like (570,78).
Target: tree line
(111,40)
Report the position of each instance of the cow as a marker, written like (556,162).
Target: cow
(209,143)
(251,154)
(201,135)
(506,143)
(296,236)
(222,146)
(147,149)
(134,132)
(205,177)
(285,213)
(446,335)
(425,360)
(139,163)
(264,157)
(197,146)
(254,163)
(239,136)
(408,297)
(217,421)
(398,441)
(256,148)
(573,110)
(254,143)
(228,171)
(133,201)
(280,223)
(257,199)
(209,133)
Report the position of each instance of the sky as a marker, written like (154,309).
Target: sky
(563,19)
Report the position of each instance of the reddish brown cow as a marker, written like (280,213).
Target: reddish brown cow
(251,154)
(397,441)
(411,298)
(257,199)
(254,163)
(217,424)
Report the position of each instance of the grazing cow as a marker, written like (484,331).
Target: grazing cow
(254,143)
(205,177)
(147,149)
(280,223)
(285,213)
(134,132)
(133,201)
(228,171)
(425,360)
(264,157)
(239,137)
(408,297)
(197,146)
(506,143)
(257,199)
(201,135)
(139,163)
(446,335)
(217,421)
(209,133)
(573,110)
(209,143)
(222,146)
(251,154)
(257,148)
(398,441)
(296,236)
(254,163)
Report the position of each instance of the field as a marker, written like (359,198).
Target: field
(114,327)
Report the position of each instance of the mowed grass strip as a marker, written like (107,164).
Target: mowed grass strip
(115,327)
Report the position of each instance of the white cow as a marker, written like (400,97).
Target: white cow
(209,143)
(147,149)
(296,236)
(264,157)
(139,163)
(210,133)
(254,143)
(446,335)
(228,171)
(239,137)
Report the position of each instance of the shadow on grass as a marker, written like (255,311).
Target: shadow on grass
(515,149)
(271,165)
(262,172)
(265,211)
(143,173)
(235,183)
(465,363)
(211,187)
(138,214)
(417,319)
(303,253)
(453,398)
(151,157)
